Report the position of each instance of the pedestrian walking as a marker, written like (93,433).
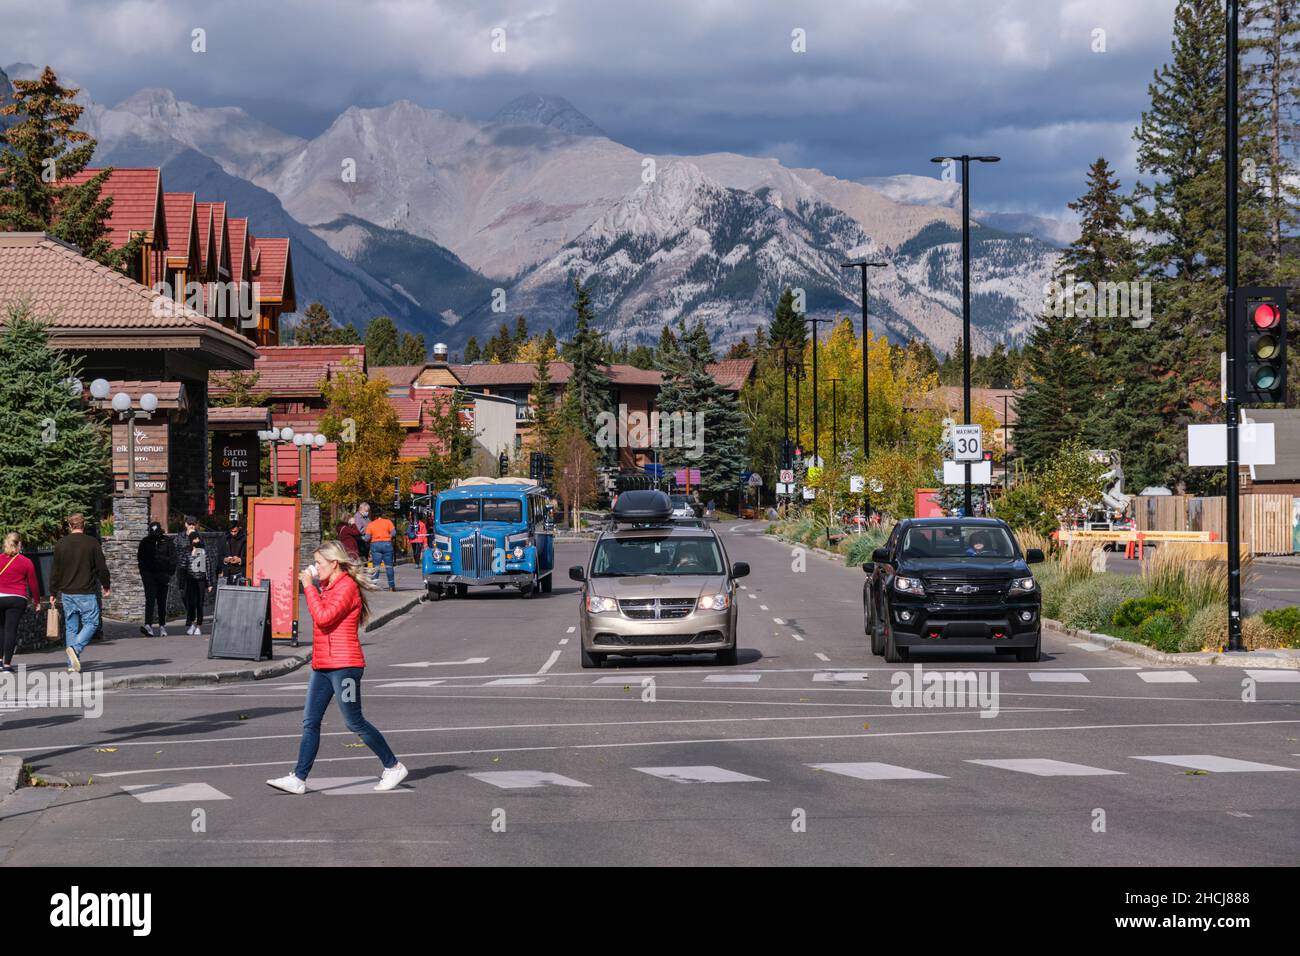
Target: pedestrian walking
(156,559)
(362,519)
(350,537)
(18,589)
(234,553)
(200,579)
(336,600)
(417,534)
(77,578)
(380,532)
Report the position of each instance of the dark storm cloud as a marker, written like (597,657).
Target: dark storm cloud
(881,87)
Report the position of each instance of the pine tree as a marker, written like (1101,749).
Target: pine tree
(788,327)
(472,353)
(1058,392)
(413,350)
(542,403)
(521,331)
(316,327)
(54,458)
(347,335)
(689,389)
(667,347)
(587,392)
(922,356)
(39,151)
(382,345)
(740,350)
(641,356)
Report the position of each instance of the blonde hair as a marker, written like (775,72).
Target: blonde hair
(333,551)
(13,542)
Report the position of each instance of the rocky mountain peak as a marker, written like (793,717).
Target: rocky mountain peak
(535,109)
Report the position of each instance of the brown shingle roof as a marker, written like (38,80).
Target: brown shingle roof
(240,415)
(170,395)
(731,374)
(94,307)
(521,374)
(397,374)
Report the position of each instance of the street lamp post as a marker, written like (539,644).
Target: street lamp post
(306,442)
(275,437)
(1230,301)
(816,420)
(866,412)
(965,161)
(835,418)
(129,414)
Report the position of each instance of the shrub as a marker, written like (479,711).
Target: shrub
(1286,621)
(1092,603)
(1135,611)
(1208,629)
(1257,635)
(1162,631)
(858,547)
(1170,573)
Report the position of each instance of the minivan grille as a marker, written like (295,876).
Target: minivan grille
(656,609)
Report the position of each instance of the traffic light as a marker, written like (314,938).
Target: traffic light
(1261,325)
(503,465)
(548,467)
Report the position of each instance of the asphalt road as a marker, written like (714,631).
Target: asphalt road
(796,756)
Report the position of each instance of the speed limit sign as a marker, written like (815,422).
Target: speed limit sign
(968,442)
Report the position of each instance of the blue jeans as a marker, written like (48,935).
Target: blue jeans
(345,682)
(383,551)
(81,619)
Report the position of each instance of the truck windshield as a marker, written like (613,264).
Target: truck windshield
(957,541)
(458,509)
(503,509)
(660,555)
(481,509)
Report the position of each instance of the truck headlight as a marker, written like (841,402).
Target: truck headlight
(597,604)
(909,585)
(714,602)
(518,552)
(1022,586)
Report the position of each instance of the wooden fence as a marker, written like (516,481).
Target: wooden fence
(1265,519)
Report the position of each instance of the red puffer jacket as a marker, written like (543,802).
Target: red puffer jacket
(335,615)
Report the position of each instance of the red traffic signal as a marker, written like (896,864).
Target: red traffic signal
(1260,339)
(1265,315)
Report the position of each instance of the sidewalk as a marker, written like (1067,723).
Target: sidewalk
(127,658)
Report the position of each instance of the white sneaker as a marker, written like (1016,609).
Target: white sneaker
(192,630)
(162,631)
(289,784)
(391,777)
(74,662)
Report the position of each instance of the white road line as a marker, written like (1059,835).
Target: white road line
(550,662)
(723,740)
(762,607)
(468,660)
(411,683)
(525,779)
(1167,677)
(778,622)
(839,676)
(563,641)
(515,681)
(754,596)
(173,792)
(1058,677)
(704,774)
(350,786)
(571,630)
(875,771)
(1085,646)
(821,657)
(1040,767)
(796,637)
(1215,764)
(1275,676)
(733,678)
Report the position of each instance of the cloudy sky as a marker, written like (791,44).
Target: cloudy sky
(882,85)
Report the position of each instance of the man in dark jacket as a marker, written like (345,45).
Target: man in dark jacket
(79,573)
(234,553)
(156,558)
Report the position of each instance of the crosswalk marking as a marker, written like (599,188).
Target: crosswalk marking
(412,683)
(733,678)
(1167,677)
(525,779)
(350,786)
(514,681)
(631,680)
(821,657)
(1215,764)
(1275,676)
(762,607)
(706,774)
(1058,677)
(1085,646)
(839,675)
(1041,767)
(875,771)
(173,792)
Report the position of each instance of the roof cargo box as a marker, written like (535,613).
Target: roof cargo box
(643,506)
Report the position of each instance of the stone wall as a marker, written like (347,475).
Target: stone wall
(310,537)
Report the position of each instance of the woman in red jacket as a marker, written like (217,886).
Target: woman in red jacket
(336,598)
(17,586)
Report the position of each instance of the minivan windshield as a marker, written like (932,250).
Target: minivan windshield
(617,558)
(957,541)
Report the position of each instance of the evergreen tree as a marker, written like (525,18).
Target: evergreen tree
(54,458)
(472,353)
(542,403)
(347,335)
(689,388)
(1058,391)
(641,356)
(382,345)
(740,350)
(413,350)
(521,332)
(788,327)
(549,343)
(922,356)
(668,346)
(238,390)
(316,327)
(40,150)
(587,392)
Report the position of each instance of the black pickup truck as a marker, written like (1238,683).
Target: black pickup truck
(952,582)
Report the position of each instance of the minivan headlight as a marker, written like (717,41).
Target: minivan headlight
(908,585)
(597,604)
(714,602)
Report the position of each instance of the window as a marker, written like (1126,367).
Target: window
(458,510)
(503,509)
(957,541)
(659,555)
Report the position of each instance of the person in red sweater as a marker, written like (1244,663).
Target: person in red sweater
(18,587)
(336,599)
(350,537)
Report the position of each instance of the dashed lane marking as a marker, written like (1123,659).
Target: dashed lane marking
(1167,677)
(733,678)
(821,657)
(515,681)
(550,662)
(1058,677)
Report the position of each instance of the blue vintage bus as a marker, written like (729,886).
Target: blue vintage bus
(489,531)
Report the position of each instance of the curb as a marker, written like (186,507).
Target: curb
(11,773)
(830,555)
(278,668)
(1197,658)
